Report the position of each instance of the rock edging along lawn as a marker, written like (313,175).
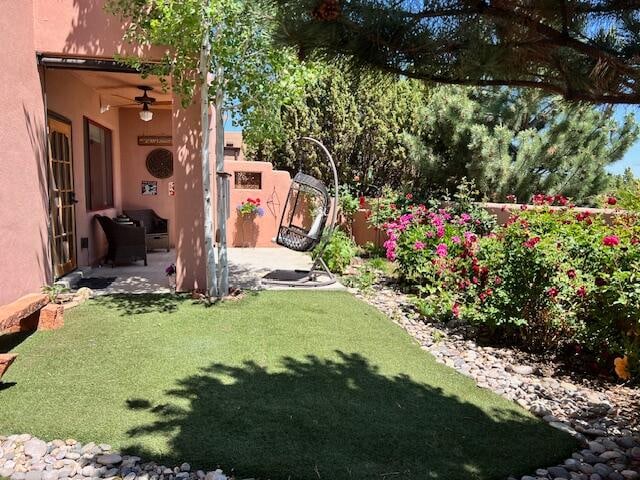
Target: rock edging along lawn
(23,457)
(605,423)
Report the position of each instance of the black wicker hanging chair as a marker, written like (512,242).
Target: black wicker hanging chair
(308,212)
(304,215)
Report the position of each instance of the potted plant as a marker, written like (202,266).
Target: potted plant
(170,271)
(248,210)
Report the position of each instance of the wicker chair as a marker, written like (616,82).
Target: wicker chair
(127,243)
(157,228)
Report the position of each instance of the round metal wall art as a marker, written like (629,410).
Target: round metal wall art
(160,163)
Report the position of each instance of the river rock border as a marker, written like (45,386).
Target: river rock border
(605,419)
(23,457)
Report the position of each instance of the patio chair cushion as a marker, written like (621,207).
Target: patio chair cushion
(149,219)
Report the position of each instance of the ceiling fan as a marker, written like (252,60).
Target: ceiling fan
(145,100)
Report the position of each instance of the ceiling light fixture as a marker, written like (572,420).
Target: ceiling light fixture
(146,115)
(145,100)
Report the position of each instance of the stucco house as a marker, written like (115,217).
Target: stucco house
(73,144)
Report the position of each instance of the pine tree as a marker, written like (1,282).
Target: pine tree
(518,142)
(580,49)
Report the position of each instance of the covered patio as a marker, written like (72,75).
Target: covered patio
(247,267)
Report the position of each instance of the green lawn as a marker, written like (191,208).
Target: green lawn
(300,385)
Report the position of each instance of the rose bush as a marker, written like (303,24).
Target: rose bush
(552,278)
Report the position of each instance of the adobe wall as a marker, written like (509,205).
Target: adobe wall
(256,231)
(25,262)
(80,28)
(364,233)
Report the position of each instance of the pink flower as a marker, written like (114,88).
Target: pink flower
(455,309)
(512,198)
(612,200)
(571,273)
(441,250)
(581,292)
(470,237)
(419,245)
(456,239)
(553,292)
(464,218)
(440,232)
(532,242)
(611,240)
(409,196)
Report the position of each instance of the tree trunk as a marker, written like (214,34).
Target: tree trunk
(205,63)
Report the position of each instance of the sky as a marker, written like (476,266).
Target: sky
(631,158)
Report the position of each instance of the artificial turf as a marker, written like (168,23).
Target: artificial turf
(300,385)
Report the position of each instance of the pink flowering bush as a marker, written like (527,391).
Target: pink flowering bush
(435,250)
(551,279)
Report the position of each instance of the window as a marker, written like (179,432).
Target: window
(248,180)
(98,166)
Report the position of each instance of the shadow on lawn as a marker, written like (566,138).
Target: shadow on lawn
(134,304)
(319,418)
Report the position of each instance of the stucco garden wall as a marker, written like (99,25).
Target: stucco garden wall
(256,231)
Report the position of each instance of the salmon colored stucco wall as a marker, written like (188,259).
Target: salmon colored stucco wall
(25,263)
(257,231)
(80,27)
(68,96)
(73,28)
(235,139)
(189,228)
(134,156)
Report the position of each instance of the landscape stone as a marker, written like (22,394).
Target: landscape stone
(35,448)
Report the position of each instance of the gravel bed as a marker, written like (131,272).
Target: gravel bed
(23,457)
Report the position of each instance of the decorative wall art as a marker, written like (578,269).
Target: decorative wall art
(154,140)
(160,163)
(149,187)
(172,189)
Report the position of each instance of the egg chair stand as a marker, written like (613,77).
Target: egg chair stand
(309,213)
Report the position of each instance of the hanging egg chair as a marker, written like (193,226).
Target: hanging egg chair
(308,214)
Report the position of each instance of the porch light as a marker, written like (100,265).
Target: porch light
(146,115)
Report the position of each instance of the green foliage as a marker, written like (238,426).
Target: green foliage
(516,142)
(465,200)
(550,279)
(54,291)
(583,50)
(627,193)
(348,202)
(361,120)
(383,208)
(368,273)
(363,279)
(338,252)
(399,133)
(257,77)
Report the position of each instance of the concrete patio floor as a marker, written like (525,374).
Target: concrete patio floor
(247,266)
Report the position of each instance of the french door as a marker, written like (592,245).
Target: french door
(61,197)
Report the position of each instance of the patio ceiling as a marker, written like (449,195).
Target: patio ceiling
(119,89)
